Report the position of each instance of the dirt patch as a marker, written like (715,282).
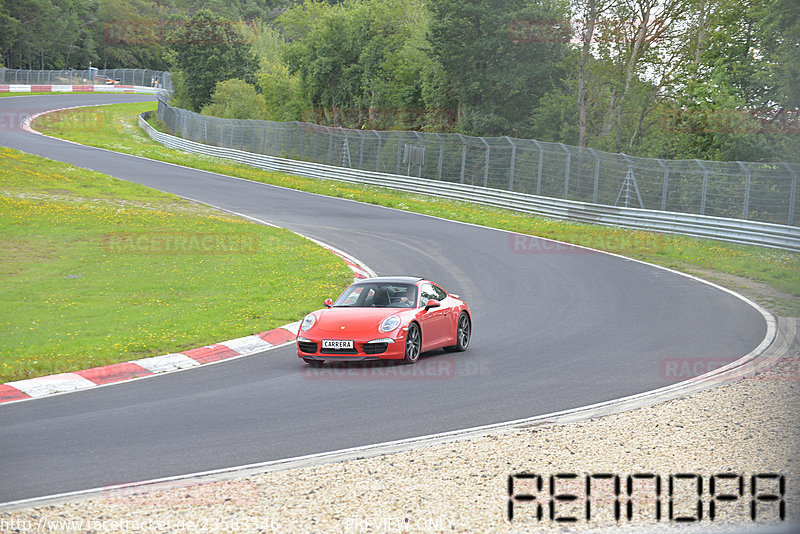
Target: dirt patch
(778,302)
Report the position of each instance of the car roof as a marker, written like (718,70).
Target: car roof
(391,280)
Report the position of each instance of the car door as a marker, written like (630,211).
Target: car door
(436,321)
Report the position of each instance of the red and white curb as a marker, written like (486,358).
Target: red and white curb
(234,348)
(29,88)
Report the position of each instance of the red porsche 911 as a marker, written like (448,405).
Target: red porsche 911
(385,318)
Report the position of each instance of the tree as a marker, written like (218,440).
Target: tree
(9,29)
(133,34)
(209,49)
(736,101)
(498,80)
(782,22)
(235,99)
(360,62)
(591,11)
(282,91)
(46,34)
(644,46)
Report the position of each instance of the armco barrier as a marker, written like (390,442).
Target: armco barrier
(138,77)
(754,191)
(27,88)
(733,230)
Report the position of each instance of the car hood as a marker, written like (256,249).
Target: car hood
(353,319)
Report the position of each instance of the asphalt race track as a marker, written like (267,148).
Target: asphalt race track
(553,330)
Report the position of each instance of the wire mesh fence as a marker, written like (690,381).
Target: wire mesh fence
(741,190)
(141,77)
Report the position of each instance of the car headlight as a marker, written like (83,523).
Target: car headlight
(390,323)
(308,322)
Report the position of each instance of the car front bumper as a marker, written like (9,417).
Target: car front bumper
(363,350)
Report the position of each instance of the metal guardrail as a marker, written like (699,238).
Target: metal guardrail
(733,230)
(140,77)
(22,88)
(755,191)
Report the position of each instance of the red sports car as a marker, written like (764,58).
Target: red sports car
(392,318)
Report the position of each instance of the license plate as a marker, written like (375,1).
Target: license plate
(337,343)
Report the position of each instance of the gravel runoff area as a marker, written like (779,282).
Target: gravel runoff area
(748,428)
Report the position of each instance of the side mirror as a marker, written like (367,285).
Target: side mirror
(328,303)
(432,304)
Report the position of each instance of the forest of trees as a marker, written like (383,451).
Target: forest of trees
(709,79)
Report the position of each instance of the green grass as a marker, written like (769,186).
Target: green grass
(94,273)
(115,127)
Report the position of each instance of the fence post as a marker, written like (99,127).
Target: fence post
(566,170)
(399,164)
(330,143)
(513,162)
(486,165)
(463,155)
(746,189)
(378,156)
(361,150)
(596,174)
(314,150)
(441,157)
(665,185)
(301,130)
(539,172)
(421,155)
(705,187)
(793,195)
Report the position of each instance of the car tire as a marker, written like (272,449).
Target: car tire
(314,363)
(413,344)
(463,334)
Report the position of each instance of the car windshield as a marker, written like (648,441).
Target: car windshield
(378,295)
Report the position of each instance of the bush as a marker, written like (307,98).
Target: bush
(236,99)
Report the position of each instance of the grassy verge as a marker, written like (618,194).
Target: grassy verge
(97,270)
(768,275)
